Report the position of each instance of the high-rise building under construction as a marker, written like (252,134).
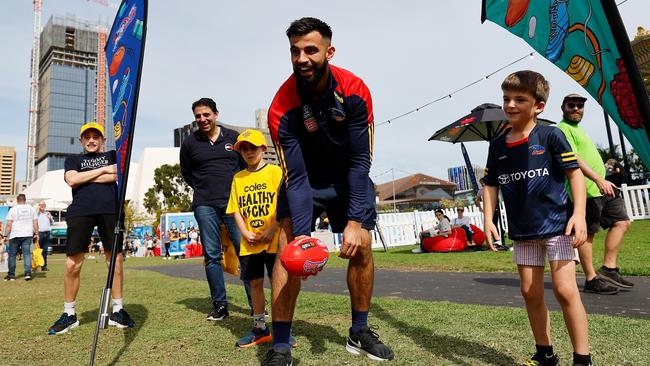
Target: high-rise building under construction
(70,91)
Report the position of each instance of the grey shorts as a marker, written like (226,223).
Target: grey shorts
(604,211)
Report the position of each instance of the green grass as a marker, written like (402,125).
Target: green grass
(633,259)
(172,330)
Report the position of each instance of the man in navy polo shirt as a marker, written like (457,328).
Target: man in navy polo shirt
(208,163)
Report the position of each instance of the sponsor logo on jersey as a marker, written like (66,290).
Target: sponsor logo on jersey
(536,150)
(526,174)
(228,147)
(308,117)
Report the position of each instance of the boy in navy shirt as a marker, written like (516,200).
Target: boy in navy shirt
(92,177)
(528,163)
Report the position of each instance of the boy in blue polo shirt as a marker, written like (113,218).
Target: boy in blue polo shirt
(528,163)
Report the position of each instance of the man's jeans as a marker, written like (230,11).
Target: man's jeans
(209,219)
(26,244)
(44,242)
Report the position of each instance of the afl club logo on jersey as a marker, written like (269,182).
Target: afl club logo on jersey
(228,147)
(308,117)
(337,114)
(536,150)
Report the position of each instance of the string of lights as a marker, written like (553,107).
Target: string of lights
(450,95)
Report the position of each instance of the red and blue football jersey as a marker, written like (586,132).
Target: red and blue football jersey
(323,142)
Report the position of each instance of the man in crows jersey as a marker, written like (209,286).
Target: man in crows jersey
(321,123)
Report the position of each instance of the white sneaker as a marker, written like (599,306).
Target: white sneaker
(417,251)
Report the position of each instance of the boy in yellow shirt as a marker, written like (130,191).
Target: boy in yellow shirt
(253,201)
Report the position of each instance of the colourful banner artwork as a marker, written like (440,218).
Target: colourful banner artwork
(124,54)
(587,40)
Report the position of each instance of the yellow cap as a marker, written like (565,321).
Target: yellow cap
(92,125)
(255,137)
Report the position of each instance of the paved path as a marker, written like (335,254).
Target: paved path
(500,289)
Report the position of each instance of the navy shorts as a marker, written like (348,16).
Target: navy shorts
(334,200)
(604,211)
(80,230)
(252,266)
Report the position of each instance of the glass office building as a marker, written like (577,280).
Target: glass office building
(67,91)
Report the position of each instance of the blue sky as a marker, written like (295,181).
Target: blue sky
(408,53)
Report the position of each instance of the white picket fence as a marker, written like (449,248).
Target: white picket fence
(403,228)
(637,201)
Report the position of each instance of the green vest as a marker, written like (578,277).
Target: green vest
(582,145)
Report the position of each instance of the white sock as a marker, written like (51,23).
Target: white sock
(70,308)
(117,305)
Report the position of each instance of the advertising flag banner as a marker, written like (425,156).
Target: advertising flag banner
(470,169)
(588,41)
(124,56)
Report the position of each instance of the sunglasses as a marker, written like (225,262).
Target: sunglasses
(573,105)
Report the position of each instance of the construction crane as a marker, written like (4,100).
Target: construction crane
(33,94)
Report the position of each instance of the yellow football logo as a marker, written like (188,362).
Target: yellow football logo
(117,130)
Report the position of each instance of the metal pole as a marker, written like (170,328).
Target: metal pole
(394,204)
(628,176)
(612,149)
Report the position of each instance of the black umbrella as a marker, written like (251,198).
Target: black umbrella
(484,123)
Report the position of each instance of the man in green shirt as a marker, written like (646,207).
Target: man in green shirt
(605,207)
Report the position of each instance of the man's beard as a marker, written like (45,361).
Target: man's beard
(319,72)
(569,118)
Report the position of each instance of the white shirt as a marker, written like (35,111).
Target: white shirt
(44,221)
(22,217)
(464,221)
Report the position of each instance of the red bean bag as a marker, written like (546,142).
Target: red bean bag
(479,236)
(456,242)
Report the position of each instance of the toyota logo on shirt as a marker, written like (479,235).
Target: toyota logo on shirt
(504,179)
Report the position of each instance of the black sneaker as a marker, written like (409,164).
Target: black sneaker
(278,358)
(121,319)
(9,278)
(218,312)
(64,324)
(366,342)
(542,360)
(44,269)
(28,276)
(614,277)
(598,286)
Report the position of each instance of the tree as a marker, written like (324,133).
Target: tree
(169,192)
(134,216)
(638,170)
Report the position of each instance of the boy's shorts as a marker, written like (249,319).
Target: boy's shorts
(533,252)
(251,267)
(604,211)
(333,199)
(80,230)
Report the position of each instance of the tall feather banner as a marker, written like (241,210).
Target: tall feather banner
(124,55)
(587,40)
